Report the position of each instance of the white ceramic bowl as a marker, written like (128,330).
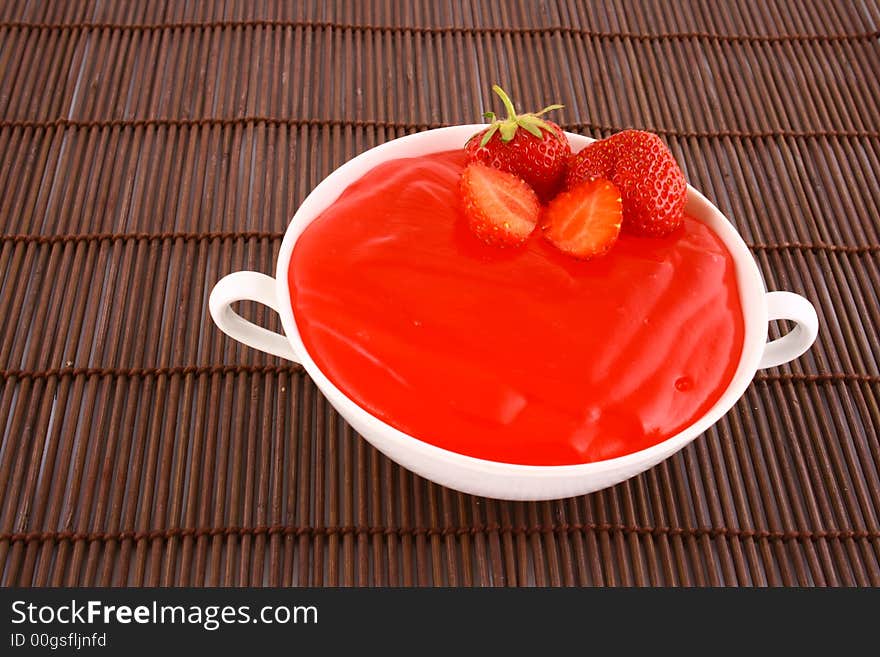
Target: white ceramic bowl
(479,476)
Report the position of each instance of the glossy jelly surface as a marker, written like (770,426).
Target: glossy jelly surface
(520,355)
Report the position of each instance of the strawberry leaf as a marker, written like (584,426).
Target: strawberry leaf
(508,130)
(531,126)
(489,133)
(531,123)
(549,108)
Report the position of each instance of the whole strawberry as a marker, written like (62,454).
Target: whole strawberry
(651,184)
(525,145)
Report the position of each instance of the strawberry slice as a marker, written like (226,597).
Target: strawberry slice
(585,221)
(500,208)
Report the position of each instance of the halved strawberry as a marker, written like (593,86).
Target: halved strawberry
(500,208)
(584,221)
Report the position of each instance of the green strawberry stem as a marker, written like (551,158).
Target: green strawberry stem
(530,122)
(508,104)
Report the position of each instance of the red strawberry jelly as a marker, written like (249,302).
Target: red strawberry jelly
(521,355)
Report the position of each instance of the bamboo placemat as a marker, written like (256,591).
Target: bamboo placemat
(148,148)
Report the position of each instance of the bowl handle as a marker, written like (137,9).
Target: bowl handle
(786,305)
(248,286)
